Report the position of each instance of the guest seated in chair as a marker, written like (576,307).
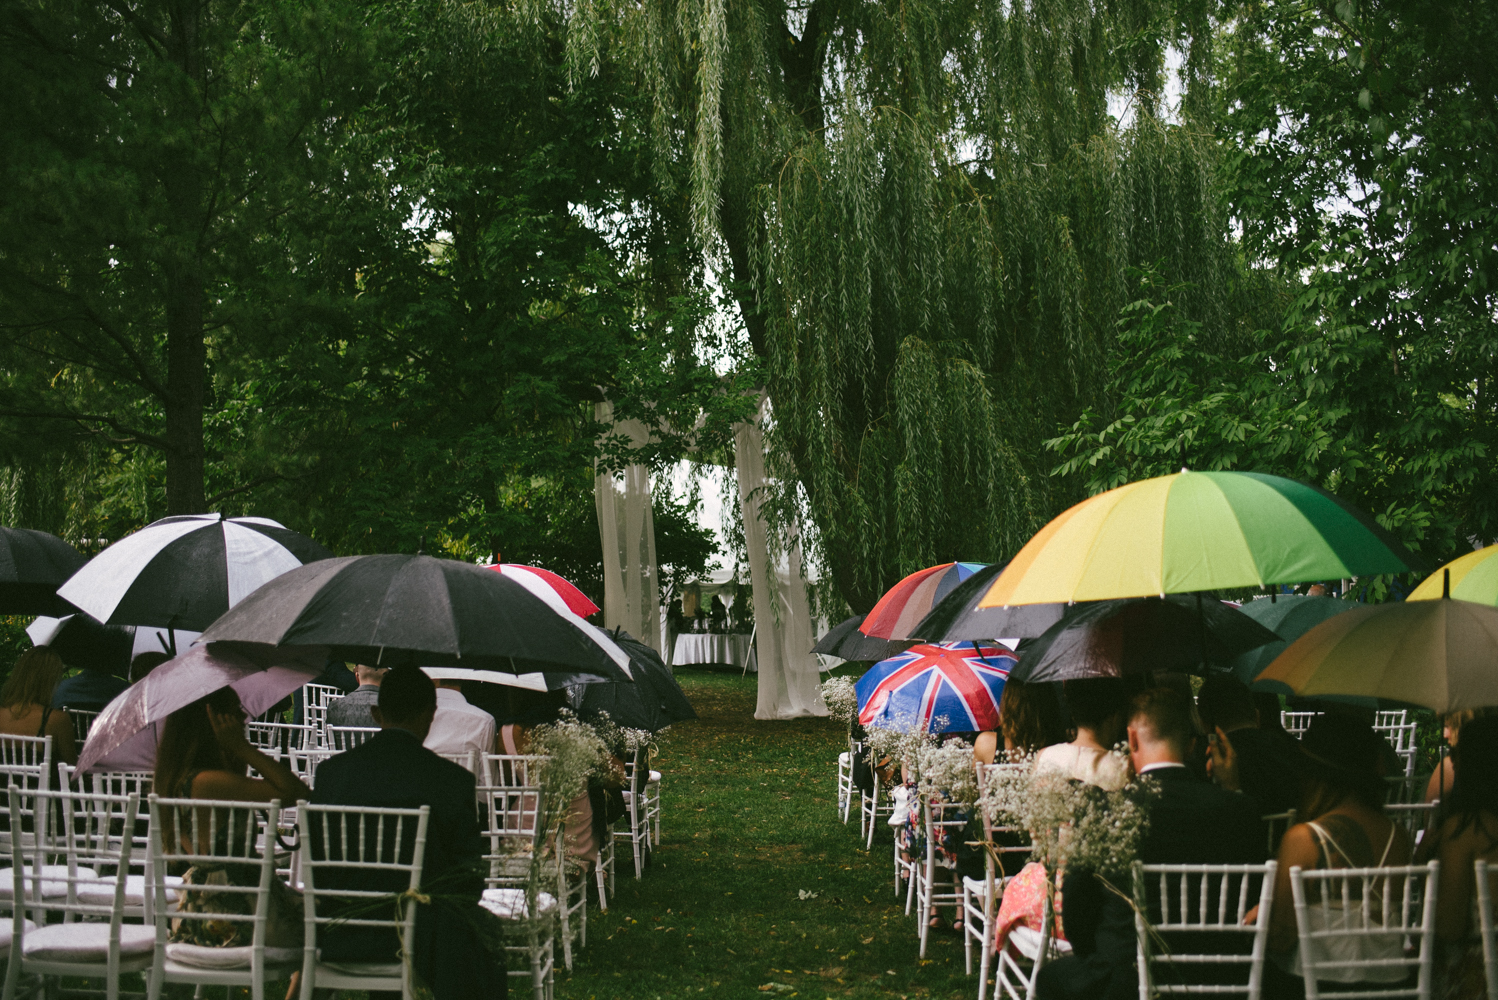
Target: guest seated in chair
(1191,822)
(393,770)
(1269,763)
(26,702)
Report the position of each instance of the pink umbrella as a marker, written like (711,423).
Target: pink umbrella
(577,602)
(262,676)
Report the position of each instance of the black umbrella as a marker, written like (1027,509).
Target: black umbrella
(33,564)
(957,617)
(84,641)
(390,610)
(1137,635)
(845,641)
(183,572)
(652,702)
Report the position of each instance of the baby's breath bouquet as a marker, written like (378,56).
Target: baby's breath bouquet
(841,699)
(623,741)
(574,753)
(947,770)
(1072,824)
(902,745)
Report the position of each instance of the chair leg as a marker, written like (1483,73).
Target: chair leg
(603,899)
(967,935)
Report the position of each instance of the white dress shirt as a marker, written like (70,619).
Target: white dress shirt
(458,727)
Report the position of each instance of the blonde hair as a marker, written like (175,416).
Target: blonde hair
(32,679)
(1456,720)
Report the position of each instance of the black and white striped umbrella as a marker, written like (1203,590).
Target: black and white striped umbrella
(184,572)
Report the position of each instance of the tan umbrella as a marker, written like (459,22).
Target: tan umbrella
(1441,654)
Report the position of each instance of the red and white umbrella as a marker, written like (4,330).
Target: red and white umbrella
(577,602)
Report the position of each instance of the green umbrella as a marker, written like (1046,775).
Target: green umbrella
(1289,617)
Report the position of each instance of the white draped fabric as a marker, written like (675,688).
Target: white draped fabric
(631,591)
(789,681)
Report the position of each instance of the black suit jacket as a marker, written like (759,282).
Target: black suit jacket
(393,770)
(1192,822)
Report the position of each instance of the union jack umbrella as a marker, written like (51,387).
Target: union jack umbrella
(951,687)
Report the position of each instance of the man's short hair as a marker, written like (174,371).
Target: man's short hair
(1226,701)
(1166,714)
(405,693)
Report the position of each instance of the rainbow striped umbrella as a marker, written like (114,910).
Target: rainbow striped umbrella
(951,687)
(1196,531)
(907,602)
(1474,577)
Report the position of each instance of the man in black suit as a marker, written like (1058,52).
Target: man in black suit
(393,770)
(1191,822)
(1270,762)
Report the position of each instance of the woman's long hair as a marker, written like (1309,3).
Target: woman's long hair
(1343,759)
(188,744)
(1475,790)
(32,679)
(1030,716)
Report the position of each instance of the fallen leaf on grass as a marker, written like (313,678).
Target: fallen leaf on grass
(867,940)
(803,894)
(777,988)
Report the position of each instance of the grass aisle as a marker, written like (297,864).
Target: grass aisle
(749,830)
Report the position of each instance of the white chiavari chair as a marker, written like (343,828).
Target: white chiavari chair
(341,738)
(315,698)
(283,737)
(91,940)
(1415,817)
(1374,927)
(91,800)
(1207,903)
(637,806)
(1486,928)
(1296,723)
(83,721)
(943,821)
(1018,963)
(845,779)
(386,843)
(522,860)
(1395,727)
(468,761)
(1275,825)
(872,808)
(212,834)
(980,897)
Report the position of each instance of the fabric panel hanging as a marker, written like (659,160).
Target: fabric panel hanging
(789,679)
(631,589)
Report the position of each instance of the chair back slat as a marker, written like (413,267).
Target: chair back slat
(1486,928)
(361,867)
(213,833)
(511,770)
(280,736)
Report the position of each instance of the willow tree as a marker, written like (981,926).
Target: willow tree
(927,212)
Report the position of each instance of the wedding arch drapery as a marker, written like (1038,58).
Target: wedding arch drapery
(789,680)
(631,587)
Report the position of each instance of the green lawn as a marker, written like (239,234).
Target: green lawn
(748,826)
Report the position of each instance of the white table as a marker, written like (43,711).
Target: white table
(711,647)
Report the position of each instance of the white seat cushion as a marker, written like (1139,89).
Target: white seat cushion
(976,886)
(845,758)
(372,970)
(8,931)
(509,904)
(79,942)
(202,957)
(1027,942)
(655,776)
(54,885)
(101,893)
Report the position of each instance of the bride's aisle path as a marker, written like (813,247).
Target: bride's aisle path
(756,884)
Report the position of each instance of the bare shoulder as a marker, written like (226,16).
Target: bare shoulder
(1298,848)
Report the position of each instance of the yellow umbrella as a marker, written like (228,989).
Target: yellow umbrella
(1473,577)
(1196,531)
(1441,654)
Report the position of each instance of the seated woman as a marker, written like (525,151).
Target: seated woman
(204,755)
(26,703)
(1468,832)
(1343,791)
(1029,717)
(1443,778)
(1097,707)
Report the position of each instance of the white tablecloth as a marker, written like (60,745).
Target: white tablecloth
(711,647)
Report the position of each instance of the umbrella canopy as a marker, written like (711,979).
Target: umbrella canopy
(1196,531)
(184,572)
(1473,577)
(957,617)
(33,564)
(539,680)
(846,641)
(1290,617)
(84,641)
(947,688)
(1440,654)
(912,599)
(654,701)
(389,610)
(260,675)
(577,602)
(1113,638)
